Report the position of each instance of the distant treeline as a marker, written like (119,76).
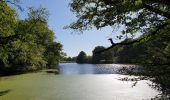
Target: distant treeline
(26,45)
(69,59)
(153,52)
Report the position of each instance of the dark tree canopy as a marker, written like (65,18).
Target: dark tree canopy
(81,58)
(105,57)
(97,58)
(134,15)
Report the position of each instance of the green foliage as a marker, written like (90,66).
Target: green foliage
(134,15)
(7,24)
(26,45)
(7,20)
(53,54)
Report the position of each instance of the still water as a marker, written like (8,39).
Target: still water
(76,82)
(78,69)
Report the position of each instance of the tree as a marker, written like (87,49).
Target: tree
(146,16)
(8,22)
(53,54)
(70,59)
(26,45)
(104,57)
(81,58)
(98,58)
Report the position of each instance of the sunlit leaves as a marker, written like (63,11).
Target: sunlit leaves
(7,20)
(136,15)
(7,24)
(33,47)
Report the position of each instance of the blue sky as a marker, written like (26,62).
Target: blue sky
(60,15)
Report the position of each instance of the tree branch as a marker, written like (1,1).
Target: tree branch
(5,40)
(13,3)
(157,11)
(158,28)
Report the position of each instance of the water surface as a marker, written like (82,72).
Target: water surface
(75,82)
(73,68)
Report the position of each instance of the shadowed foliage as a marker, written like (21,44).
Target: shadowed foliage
(4,92)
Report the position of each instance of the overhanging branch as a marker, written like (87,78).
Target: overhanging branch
(12,2)
(158,28)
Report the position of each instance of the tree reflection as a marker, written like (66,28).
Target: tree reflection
(4,92)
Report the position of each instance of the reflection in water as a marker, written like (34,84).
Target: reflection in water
(72,68)
(4,92)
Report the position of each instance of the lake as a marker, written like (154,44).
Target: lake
(76,82)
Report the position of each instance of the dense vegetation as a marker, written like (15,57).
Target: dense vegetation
(26,45)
